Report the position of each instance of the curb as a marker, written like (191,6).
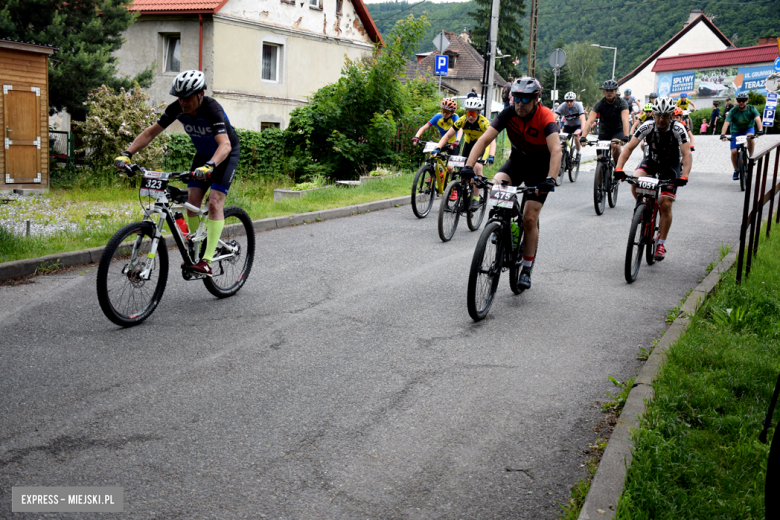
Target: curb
(607,485)
(19,268)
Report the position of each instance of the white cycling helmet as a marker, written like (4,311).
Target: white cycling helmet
(474,103)
(570,96)
(664,105)
(188,83)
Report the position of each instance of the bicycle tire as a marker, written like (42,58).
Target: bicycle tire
(562,169)
(449,211)
(599,201)
(651,241)
(574,171)
(423,191)
(485,271)
(230,275)
(635,245)
(474,218)
(125,299)
(612,190)
(514,271)
(741,168)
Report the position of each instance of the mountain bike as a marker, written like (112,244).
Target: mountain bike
(645,224)
(133,270)
(424,189)
(687,119)
(742,156)
(456,201)
(568,162)
(604,186)
(497,249)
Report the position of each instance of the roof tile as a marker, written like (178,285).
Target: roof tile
(704,60)
(176,5)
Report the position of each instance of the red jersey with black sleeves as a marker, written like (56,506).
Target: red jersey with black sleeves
(528,134)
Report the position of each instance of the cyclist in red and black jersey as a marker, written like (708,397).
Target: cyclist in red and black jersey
(535,158)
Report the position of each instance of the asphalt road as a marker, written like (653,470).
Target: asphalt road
(346,379)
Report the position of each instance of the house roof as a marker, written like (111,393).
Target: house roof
(413,71)
(27,46)
(470,64)
(704,60)
(213,7)
(699,19)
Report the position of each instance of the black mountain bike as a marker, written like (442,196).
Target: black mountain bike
(645,224)
(604,186)
(569,163)
(496,250)
(456,201)
(430,181)
(742,156)
(133,270)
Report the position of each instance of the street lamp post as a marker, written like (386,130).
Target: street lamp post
(614,61)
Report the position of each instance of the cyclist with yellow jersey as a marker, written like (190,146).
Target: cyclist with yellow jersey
(442,122)
(472,126)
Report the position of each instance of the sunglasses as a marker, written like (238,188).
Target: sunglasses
(471,113)
(570,101)
(524,99)
(610,90)
(742,101)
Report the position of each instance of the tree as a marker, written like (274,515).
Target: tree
(86,32)
(582,62)
(510,32)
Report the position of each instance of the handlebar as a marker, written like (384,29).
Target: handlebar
(132,169)
(661,183)
(733,137)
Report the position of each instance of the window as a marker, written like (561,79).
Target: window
(265,126)
(271,62)
(172,53)
(315,4)
(339,4)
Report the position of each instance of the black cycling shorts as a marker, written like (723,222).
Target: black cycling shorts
(608,137)
(650,168)
(467,150)
(570,129)
(521,172)
(221,177)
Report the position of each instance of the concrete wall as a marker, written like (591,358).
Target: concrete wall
(698,39)
(307,62)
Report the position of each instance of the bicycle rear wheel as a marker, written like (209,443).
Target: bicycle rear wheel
(125,298)
(474,218)
(635,245)
(599,199)
(612,189)
(485,271)
(449,210)
(237,245)
(423,191)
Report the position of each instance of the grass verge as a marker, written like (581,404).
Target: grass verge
(92,216)
(696,452)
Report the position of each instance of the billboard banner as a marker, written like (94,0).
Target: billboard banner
(713,83)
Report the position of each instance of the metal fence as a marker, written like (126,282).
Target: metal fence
(756,197)
(61,147)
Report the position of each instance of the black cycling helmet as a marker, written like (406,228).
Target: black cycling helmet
(610,84)
(188,83)
(742,95)
(526,85)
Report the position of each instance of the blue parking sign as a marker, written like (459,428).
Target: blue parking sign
(442,64)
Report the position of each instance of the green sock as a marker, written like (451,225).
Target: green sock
(213,232)
(193,222)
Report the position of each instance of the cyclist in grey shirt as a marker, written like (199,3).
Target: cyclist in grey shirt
(573,114)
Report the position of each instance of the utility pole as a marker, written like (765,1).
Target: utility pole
(534,23)
(494,11)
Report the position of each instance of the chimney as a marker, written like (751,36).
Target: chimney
(692,16)
(465,36)
(767,39)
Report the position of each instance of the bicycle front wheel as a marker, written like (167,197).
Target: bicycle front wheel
(485,271)
(652,230)
(635,245)
(574,171)
(598,189)
(562,170)
(422,191)
(234,256)
(474,218)
(127,295)
(612,190)
(449,210)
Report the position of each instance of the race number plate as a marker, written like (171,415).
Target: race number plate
(503,196)
(603,145)
(457,161)
(429,147)
(154,184)
(685,112)
(741,139)
(646,185)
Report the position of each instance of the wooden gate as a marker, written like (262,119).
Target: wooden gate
(22,120)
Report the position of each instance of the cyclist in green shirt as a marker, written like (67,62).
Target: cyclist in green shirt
(746,120)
